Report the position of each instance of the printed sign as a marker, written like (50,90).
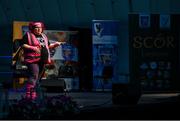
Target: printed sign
(144,21)
(104,54)
(165,21)
(154,55)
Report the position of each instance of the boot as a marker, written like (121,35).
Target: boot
(33,95)
(28,95)
(28,91)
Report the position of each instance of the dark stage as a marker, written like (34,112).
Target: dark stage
(98,105)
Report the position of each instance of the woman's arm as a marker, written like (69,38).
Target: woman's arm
(24,44)
(54,45)
(34,48)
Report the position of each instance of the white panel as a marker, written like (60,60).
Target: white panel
(103,9)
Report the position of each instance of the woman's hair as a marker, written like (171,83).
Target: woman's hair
(33,25)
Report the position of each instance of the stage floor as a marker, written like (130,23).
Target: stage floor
(99,105)
(88,99)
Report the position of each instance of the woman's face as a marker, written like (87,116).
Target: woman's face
(37,30)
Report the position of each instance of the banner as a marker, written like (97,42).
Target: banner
(105,39)
(154,62)
(64,57)
(19,29)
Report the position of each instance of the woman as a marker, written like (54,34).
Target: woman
(36,54)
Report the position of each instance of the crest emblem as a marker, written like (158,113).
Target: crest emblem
(98,29)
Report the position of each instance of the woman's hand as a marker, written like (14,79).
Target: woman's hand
(59,43)
(56,44)
(37,49)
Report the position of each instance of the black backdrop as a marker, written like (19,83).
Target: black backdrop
(154,52)
(85,57)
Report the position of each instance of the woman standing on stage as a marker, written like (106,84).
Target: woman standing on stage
(36,55)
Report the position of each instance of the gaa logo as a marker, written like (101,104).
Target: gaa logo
(144,21)
(98,29)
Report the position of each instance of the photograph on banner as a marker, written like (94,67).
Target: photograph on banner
(104,59)
(64,57)
(19,68)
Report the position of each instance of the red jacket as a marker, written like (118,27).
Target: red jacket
(31,56)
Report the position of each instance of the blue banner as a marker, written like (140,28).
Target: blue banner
(105,40)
